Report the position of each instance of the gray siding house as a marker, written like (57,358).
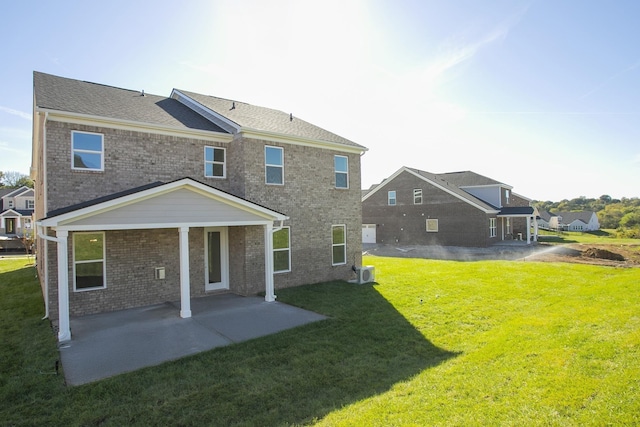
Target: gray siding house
(414,207)
(142,199)
(16,210)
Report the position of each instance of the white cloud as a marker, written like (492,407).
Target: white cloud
(21,114)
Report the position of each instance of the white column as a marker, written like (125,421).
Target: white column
(269,294)
(64,330)
(535,229)
(528,230)
(185,291)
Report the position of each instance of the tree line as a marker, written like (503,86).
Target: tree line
(13,179)
(622,215)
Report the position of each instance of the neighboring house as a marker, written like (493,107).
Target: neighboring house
(544,219)
(414,207)
(142,199)
(574,221)
(16,210)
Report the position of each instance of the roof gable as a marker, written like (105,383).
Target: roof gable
(61,94)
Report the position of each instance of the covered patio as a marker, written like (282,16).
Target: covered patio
(181,205)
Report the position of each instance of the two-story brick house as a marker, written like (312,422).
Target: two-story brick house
(414,207)
(142,199)
(16,210)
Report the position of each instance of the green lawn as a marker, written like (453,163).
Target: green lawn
(431,343)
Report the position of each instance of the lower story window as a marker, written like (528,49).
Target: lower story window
(282,250)
(493,227)
(339,244)
(88,261)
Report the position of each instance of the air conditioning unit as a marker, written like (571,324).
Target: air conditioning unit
(366,274)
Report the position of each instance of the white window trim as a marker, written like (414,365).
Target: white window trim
(417,192)
(272,165)
(395,198)
(288,248)
(213,162)
(336,172)
(431,229)
(104,261)
(493,227)
(101,152)
(344,245)
(32,202)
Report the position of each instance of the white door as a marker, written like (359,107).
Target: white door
(216,249)
(368,233)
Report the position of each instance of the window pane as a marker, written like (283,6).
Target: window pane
(274,175)
(341,164)
(341,180)
(281,260)
(218,155)
(88,246)
(214,261)
(87,160)
(218,169)
(281,239)
(338,255)
(87,141)
(273,156)
(338,235)
(89,275)
(208,154)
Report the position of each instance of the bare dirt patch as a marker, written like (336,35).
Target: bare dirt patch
(597,254)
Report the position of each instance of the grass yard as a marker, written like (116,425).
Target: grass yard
(431,343)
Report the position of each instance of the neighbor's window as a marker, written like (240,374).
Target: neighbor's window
(341,165)
(432,225)
(417,196)
(274,165)
(214,162)
(11,205)
(493,227)
(87,151)
(88,261)
(506,193)
(30,204)
(282,250)
(391,198)
(508,225)
(339,244)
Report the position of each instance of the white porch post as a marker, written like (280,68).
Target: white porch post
(528,230)
(535,229)
(64,330)
(269,295)
(185,291)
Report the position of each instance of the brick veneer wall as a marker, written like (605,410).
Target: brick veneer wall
(459,223)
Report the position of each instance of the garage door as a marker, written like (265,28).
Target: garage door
(368,233)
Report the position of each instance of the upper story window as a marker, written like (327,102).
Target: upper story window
(87,151)
(391,198)
(274,165)
(506,196)
(30,204)
(11,204)
(214,162)
(341,167)
(417,196)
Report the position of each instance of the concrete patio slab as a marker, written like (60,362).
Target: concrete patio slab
(108,344)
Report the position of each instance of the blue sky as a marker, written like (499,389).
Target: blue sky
(541,95)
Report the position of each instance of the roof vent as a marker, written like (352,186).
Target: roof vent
(142,93)
(290,117)
(233,105)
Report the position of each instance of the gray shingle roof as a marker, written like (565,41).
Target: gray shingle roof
(467,178)
(569,217)
(76,96)
(266,119)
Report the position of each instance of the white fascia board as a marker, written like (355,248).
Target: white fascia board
(103,207)
(385,182)
(521,196)
(297,140)
(111,227)
(98,121)
(10,213)
(508,187)
(181,97)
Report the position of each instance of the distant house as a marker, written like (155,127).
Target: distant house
(451,209)
(143,199)
(16,210)
(571,221)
